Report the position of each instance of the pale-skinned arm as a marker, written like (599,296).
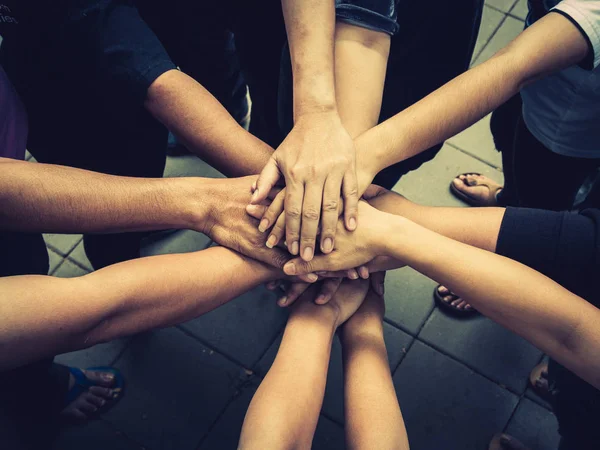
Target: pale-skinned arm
(551,44)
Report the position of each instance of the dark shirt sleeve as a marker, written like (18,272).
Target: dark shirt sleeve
(116,44)
(561,245)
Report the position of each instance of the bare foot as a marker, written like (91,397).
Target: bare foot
(91,400)
(453,300)
(477,190)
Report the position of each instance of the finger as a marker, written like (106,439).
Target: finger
(276,190)
(273,212)
(293,209)
(299,267)
(293,293)
(378,283)
(332,273)
(350,194)
(328,288)
(256,211)
(363,272)
(274,257)
(311,213)
(329,219)
(352,274)
(272,285)
(278,232)
(266,180)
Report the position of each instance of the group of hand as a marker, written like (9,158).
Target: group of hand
(307,210)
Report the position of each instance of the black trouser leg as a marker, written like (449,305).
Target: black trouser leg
(544,179)
(428,51)
(30,395)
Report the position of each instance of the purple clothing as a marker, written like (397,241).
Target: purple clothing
(13,121)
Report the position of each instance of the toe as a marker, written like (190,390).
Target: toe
(98,402)
(101,392)
(443,290)
(99,377)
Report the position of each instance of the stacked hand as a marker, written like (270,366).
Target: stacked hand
(318,161)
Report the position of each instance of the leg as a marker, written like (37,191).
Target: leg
(106,134)
(373,417)
(553,188)
(424,56)
(260,37)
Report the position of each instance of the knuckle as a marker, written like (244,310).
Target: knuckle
(310,214)
(351,192)
(292,213)
(331,205)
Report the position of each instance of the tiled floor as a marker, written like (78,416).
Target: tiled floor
(458,382)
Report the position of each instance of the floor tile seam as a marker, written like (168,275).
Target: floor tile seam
(211,347)
(399,327)
(280,331)
(120,353)
(415,337)
(513,16)
(62,260)
(408,348)
(219,416)
(57,250)
(78,264)
(475,57)
(468,366)
(473,155)
(122,433)
(501,10)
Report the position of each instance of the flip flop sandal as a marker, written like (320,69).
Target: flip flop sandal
(534,376)
(496,443)
(452,309)
(472,200)
(82,384)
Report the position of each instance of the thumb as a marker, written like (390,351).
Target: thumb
(266,180)
(256,211)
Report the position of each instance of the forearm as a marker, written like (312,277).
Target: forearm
(43,316)
(205,126)
(285,409)
(560,323)
(360,64)
(372,413)
(478,227)
(310,26)
(50,198)
(551,44)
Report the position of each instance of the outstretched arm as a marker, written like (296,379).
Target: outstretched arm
(285,409)
(373,417)
(549,45)
(43,315)
(555,320)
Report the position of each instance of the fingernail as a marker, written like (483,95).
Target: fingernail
(264,224)
(312,277)
(108,376)
(353,275)
(282,301)
(271,241)
(363,272)
(352,223)
(254,186)
(290,269)
(327,245)
(321,272)
(307,254)
(320,299)
(379,289)
(294,249)
(254,196)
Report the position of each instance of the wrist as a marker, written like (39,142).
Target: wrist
(321,316)
(192,204)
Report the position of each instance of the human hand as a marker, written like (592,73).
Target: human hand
(273,215)
(343,305)
(230,226)
(318,161)
(367,319)
(294,289)
(353,249)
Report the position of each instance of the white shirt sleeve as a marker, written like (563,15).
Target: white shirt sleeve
(585,14)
